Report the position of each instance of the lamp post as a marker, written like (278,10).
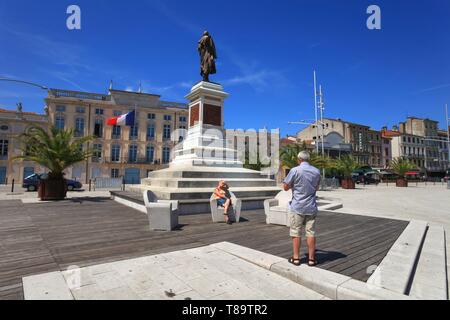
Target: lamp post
(25,82)
(448,135)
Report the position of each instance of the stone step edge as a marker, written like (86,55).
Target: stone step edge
(396,270)
(183,201)
(430,280)
(330,284)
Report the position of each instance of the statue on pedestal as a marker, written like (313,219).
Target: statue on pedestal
(207,51)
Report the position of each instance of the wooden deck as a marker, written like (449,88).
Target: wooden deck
(41,238)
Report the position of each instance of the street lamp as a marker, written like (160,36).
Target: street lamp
(25,82)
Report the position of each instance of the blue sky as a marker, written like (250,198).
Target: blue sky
(267,52)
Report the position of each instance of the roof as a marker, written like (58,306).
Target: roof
(25,113)
(390,133)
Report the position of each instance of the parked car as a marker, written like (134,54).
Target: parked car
(366,178)
(31,183)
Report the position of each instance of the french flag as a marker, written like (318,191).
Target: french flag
(123,120)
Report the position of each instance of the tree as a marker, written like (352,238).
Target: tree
(401,166)
(54,149)
(346,165)
(289,157)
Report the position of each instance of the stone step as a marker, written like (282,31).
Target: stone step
(430,278)
(207,182)
(396,271)
(217,174)
(205,193)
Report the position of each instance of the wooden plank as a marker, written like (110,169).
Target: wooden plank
(38,239)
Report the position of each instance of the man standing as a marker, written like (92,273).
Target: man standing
(304,180)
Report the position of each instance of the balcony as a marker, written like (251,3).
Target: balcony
(127,160)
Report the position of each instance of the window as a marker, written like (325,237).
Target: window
(59,122)
(166,155)
(117,113)
(150,132)
(80,109)
(182,127)
(60,108)
(79,127)
(404,139)
(99,111)
(96,152)
(183,119)
(116,132)
(132,153)
(409,139)
(98,128)
(166,132)
(150,154)
(115,173)
(3,148)
(115,153)
(167,117)
(151,116)
(134,132)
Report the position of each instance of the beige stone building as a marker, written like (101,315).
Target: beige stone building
(356,135)
(119,151)
(428,130)
(12,124)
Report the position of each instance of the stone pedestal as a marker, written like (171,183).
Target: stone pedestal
(205,157)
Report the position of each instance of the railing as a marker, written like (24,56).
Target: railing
(108,183)
(329,184)
(79,95)
(127,160)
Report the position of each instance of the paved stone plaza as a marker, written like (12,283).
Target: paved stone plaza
(93,232)
(429,202)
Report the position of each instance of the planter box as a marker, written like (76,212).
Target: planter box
(402,183)
(348,184)
(50,190)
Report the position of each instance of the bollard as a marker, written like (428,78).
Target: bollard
(12,186)
(90,184)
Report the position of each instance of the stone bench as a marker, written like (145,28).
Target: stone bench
(162,214)
(234,212)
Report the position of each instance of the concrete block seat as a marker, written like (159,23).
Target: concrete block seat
(162,214)
(234,212)
(276,209)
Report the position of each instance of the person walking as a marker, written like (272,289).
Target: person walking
(304,181)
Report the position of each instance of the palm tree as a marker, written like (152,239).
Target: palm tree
(401,166)
(55,150)
(345,166)
(289,157)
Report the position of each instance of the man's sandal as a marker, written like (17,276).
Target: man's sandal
(295,262)
(312,263)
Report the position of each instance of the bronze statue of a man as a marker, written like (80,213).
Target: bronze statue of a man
(207,51)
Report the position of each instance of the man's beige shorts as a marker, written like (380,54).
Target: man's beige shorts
(299,221)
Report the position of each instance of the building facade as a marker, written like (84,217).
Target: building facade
(12,125)
(356,135)
(119,151)
(375,149)
(411,147)
(428,130)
